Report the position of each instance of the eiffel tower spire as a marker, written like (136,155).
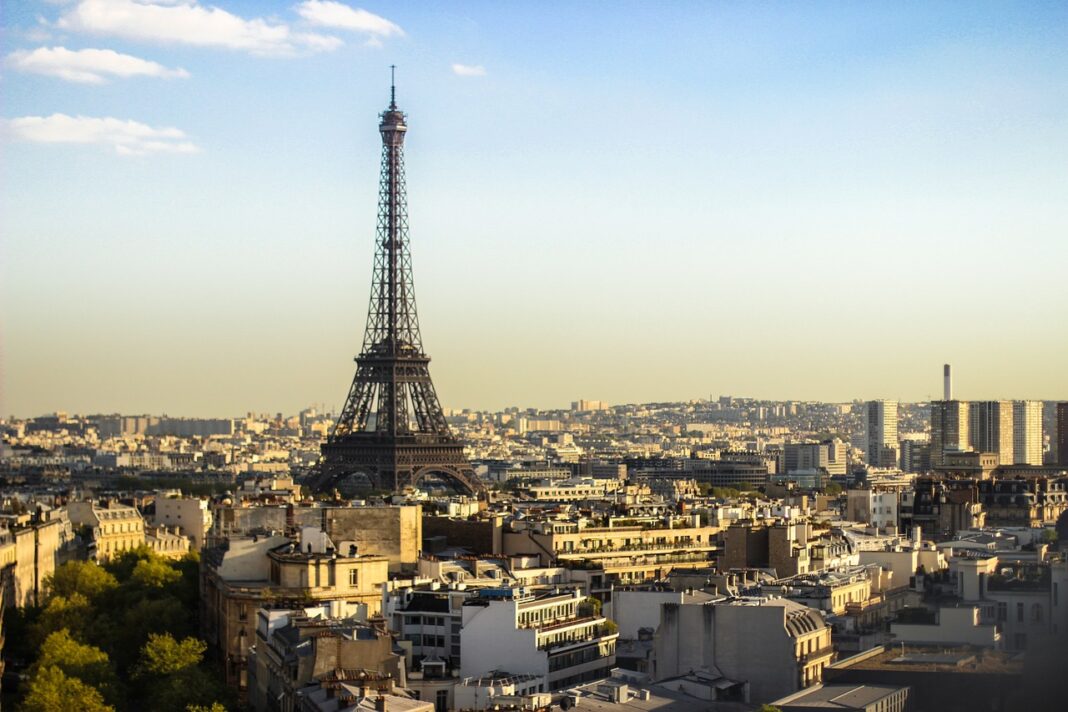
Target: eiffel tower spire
(392,431)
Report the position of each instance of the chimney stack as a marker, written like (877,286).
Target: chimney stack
(947,383)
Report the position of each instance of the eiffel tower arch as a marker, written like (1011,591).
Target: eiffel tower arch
(392,432)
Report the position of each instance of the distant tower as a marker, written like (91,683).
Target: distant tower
(990,428)
(949,428)
(947,383)
(1061,434)
(880,419)
(1027,432)
(392,431)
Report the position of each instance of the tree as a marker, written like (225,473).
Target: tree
(76,660)
(84,577)
(163,655)
(590,606)
(171,676)
(833,489)
(72,613)
(769,708)
(155,573)
(50,690)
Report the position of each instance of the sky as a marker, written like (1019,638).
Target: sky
(621,201)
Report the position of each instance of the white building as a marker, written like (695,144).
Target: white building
(191,516)
(1027,432)
(557,636)
(880,420)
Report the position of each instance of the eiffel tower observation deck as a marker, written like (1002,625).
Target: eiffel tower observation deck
(392,432)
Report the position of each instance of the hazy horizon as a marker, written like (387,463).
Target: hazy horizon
(630,203)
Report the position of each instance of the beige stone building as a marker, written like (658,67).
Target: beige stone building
(167,542)
(29,551)
(601,557)
(395,532)
(246,573)
(114,528)
(296,648)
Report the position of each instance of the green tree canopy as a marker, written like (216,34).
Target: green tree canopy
(50,690)
(155,573)
(72,613)
(163,655)
(90,665)
(84,577)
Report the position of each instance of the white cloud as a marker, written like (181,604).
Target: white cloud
(336,15)
(129,138)
(469,70)
(186,22)
(88,66)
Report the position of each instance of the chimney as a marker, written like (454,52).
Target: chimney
(947,383)
(380,703)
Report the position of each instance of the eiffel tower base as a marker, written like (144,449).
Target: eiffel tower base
(356,462)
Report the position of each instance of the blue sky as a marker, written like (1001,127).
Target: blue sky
(624,201)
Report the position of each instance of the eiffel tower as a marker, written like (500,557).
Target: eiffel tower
(392,433)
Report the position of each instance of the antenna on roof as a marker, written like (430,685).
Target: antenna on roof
(393,86)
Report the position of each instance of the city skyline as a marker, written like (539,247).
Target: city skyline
(711,188)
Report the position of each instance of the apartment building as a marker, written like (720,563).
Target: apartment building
(191,515)
(558,636)
(114,528)
(627,552)
(244,574)
(774,645)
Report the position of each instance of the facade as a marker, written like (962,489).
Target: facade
(777,646)
(114,528)
(295,648)
(191,515)
(245,574)
(949,428)
(615,555)
(990,428)
(395,532)
(880,420)
(829,455)
(873,505)
(1061,435)
(1027,432)
(28,555)
(167,542)
(557,636)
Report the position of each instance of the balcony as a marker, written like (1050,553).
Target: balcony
(823,652)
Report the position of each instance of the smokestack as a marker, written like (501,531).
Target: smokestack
(947,383)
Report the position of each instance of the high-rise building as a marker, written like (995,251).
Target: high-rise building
(1062,434)
(990,428)
(1027,432)
(880,420)
(949,428)
(915,455)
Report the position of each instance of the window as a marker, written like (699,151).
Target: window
(1019,612)
(441,701)
(353,578)
(1003,611)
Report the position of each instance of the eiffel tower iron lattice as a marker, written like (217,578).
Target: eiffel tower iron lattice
(392,432)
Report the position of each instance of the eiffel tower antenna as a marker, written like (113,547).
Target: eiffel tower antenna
(391,432)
